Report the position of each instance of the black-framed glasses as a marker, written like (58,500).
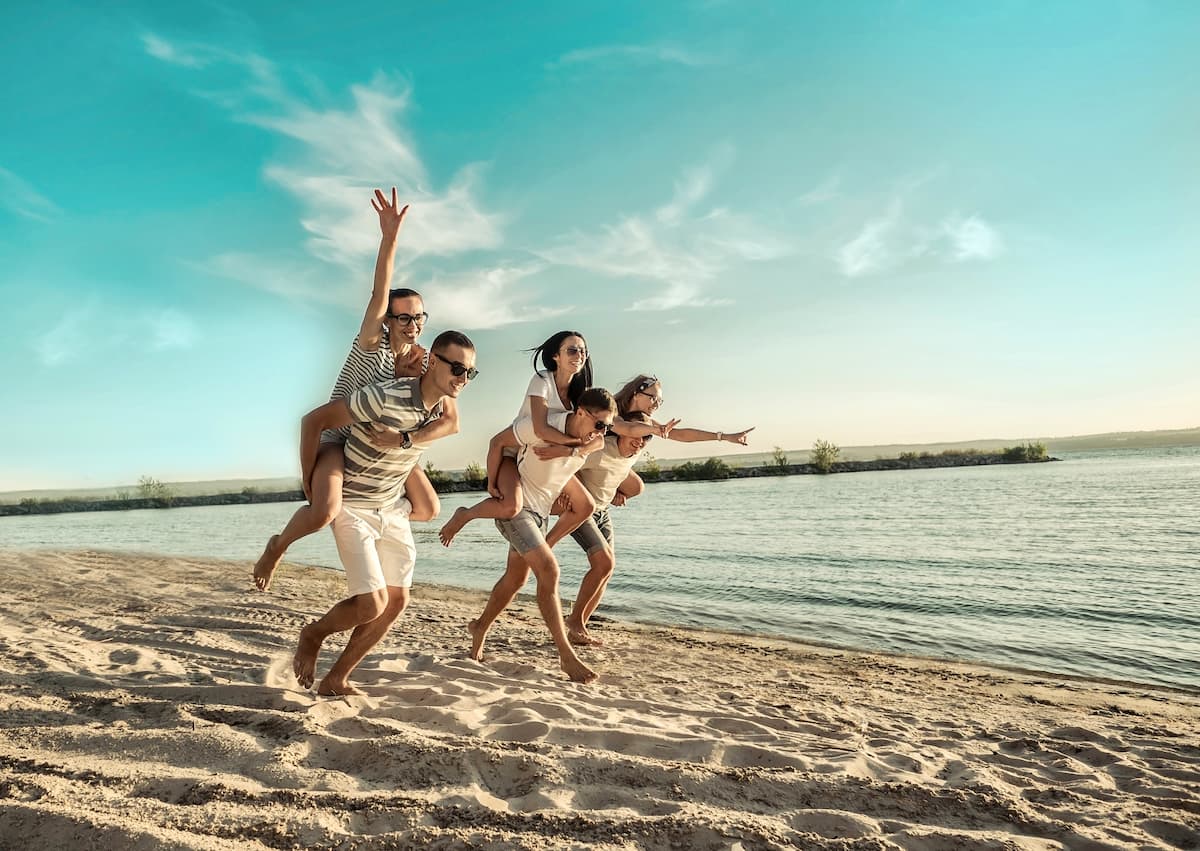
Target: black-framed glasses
(457,369)
(409,318)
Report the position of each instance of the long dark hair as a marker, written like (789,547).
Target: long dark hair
(548,351)
(632,387)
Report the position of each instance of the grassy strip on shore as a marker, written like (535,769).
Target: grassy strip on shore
(713,469)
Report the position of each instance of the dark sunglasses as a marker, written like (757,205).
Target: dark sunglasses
(457,369)
(601,425)
(409,318)
(575,350)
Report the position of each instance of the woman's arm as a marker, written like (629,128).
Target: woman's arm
(443,426)
(390,218)
(539,413)
(636,429)
(696,435)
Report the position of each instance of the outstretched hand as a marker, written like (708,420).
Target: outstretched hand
(391,215)
(664,430)
(740,436)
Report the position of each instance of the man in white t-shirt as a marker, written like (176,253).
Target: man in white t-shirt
(373,536)
(541,482)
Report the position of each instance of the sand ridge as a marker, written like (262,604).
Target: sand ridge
(148,703)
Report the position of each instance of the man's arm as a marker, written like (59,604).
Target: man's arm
(333,414)
(390,218)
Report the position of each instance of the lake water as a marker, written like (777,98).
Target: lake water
(1088,566)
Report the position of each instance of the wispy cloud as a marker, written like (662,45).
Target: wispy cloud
(827,190)
(636,53)
(893,239)
(150,331)
(340,154)
(677,245)
(17,195)
(486,297)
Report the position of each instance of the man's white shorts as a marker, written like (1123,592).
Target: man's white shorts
(376,547)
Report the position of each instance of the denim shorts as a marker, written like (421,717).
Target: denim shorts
(595,533)
(525,532)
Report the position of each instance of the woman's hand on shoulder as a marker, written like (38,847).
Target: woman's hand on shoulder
(410,364)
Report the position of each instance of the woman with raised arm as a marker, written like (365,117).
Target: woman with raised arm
(385,348)
(554,389)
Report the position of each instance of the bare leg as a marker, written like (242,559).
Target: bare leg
(346,614)
(504,508)
(582,506)
(364,638)
(591,589)
(544,566)
(516,572)
(421,495)
(325,505)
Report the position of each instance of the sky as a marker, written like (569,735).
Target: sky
(877,222)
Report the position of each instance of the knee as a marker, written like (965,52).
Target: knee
(546,570)
(509,508)
(370,606)
(397,603)
(604,563)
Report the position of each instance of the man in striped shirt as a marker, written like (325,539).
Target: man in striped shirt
(374,539)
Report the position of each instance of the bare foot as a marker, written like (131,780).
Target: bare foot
(583,638)
(329,688)
(304,663)
(453,526)
(478,636)
(578,671)
(264,568)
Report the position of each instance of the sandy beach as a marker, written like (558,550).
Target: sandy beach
(148,703)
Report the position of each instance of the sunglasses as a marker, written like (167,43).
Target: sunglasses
(575,350)
(457,369)
(409,318)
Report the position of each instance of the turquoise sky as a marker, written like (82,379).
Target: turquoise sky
(868,222)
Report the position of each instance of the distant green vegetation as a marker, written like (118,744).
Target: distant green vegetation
(824,455)
(779,464)
(1025,452)
(151,488)
(649,468)
(436,477)
(713,468)
(474,475)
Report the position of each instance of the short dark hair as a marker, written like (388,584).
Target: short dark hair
(596,399)
(403,292)
(451,338)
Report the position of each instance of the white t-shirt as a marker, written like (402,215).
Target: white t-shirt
(542,386)
(542,481)
(603,471)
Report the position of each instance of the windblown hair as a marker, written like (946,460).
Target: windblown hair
(547,353)
(632,387)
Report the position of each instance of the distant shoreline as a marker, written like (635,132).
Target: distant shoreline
(250,496)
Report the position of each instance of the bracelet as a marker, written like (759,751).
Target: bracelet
(720,435)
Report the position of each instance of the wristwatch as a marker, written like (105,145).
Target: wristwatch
(406,440)
(574,451)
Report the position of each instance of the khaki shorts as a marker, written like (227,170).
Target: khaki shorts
(525,532)
(595,533)
(376,547)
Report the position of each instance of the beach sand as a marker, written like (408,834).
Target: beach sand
(148,703)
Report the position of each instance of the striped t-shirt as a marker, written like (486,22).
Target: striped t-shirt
(360,369)
(375,476)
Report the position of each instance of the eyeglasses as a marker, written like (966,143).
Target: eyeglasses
(655,401)
(409,318)
(457,369)
(575,350)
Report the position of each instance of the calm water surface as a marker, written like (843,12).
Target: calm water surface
(1088,566)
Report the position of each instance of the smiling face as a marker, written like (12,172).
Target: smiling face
(648,399)
(405,318)
(630,446)
(444,363)
(571,356)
